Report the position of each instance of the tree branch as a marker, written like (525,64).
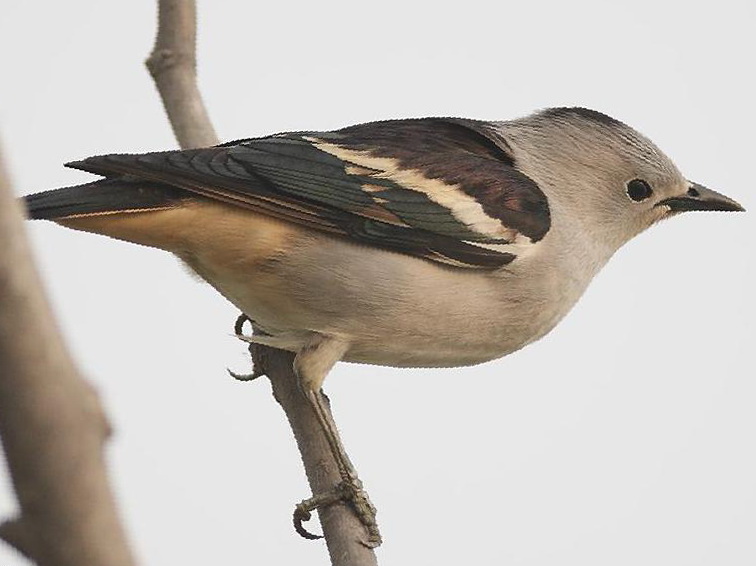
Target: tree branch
(51,422)
(173,67)
(342,529)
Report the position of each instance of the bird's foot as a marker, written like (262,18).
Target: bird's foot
(350,491)
(245,376)
(254,350)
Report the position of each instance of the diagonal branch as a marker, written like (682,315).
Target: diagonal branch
(51,422)
(173,67)
(342,529)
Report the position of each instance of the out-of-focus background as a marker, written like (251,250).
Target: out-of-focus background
(625,437)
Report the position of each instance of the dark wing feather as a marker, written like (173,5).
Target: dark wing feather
(443,189)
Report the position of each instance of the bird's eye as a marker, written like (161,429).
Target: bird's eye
(639,190)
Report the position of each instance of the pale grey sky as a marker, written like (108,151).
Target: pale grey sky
(624,437)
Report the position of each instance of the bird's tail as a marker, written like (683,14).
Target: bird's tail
(106,196)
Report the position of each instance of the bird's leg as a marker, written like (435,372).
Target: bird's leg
(311,365)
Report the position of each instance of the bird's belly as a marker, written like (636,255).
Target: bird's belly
(426,353)
(433,340)
(394,310)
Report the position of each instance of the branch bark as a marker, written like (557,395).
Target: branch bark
(51,422)
(342,529)
(172,65)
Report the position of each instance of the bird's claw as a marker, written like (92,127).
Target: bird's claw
(303,511)
(245,376)
(366,511)
(239,324)
(350,491)
(257,365)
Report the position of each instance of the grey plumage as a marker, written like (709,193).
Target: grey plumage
(434,242)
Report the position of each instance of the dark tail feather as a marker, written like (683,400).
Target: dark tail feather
(102,197)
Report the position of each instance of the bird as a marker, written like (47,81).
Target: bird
(423,242)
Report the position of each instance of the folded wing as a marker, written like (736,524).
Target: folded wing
(444,189)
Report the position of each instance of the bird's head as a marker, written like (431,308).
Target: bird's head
(602,174)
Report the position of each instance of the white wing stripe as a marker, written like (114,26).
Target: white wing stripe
(462,206)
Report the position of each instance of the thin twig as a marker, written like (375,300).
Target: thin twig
(173,67)
(51,422)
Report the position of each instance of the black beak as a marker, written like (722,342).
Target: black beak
(699,197)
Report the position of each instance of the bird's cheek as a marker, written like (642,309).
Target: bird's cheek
(659,213)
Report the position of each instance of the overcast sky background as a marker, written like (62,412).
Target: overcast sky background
(624,437)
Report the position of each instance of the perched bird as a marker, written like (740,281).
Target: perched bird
(423,242)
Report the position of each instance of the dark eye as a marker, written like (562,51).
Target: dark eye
(639,190)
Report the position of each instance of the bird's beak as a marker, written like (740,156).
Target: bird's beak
(699,197)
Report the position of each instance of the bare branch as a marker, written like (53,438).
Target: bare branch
(173,66)
(16,534)
(342,530)
(51,423)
